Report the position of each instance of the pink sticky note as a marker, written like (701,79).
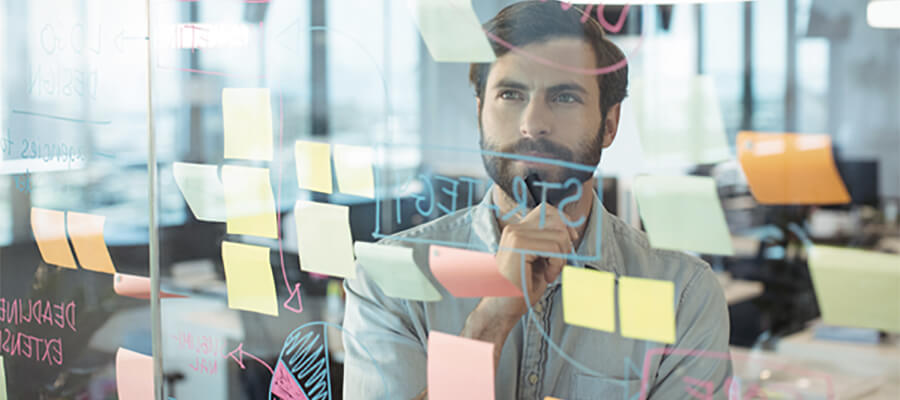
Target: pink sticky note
(285,386)
(137,287)
(467,273)
(134,375)
(459,368)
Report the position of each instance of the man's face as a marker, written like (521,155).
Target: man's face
(541,111)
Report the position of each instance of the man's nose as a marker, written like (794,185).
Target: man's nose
(536,119)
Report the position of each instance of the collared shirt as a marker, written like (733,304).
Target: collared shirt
(386,339)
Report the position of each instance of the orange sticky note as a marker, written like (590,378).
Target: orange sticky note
(647,309)
(134,375)
(86,232)
(49,227)
(459,368)
(588,298)
(467,273)
(248,276)
(789,168)
(137,287)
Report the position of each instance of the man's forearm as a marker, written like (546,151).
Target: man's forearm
(483,325)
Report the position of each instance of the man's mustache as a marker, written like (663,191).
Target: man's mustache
(542,146)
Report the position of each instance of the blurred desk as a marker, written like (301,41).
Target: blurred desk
(737,290)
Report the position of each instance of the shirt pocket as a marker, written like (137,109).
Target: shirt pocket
(590,387)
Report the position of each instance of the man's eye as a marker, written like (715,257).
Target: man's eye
(510,95)
(567,98)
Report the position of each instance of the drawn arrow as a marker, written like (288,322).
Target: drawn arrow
(239,357)
(295,292)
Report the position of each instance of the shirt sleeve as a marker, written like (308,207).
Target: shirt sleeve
(384,357)
(698,365)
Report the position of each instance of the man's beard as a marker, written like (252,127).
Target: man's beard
(500,169)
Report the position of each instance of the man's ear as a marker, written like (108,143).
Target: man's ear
(611,124)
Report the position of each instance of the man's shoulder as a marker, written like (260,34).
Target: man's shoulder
(453,227)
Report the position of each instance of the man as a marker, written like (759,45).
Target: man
(535,108)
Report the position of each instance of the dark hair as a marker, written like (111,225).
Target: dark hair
(530,22)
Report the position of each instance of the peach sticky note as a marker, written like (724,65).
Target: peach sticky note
(459,368)
(313,166)
(395,271)
(249,202)
(451,30)
(683,213)
(248,276)
(137,287)
(857,288)
(647,309)
(86,233)
(247,115)
(49,228)
(324,240)
(353,168)
(134,375)
(202,190)
(468,273)
(588,298)
(788,168)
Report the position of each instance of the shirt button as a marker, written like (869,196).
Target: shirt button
(538,308)
(532,378)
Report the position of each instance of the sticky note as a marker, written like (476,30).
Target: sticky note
(313,166)
(202,190)
(647,309)
(249,202)
(459,368)
(788,168)
(86,233)
(451,30)
(2,379)
(324,240)
(247,116)
(134,375)
(353,168)
(468,273)
(249,279)
(138,287)
(588,298)
(49,228)
(857,288)
(683,213)
(395,272)
(679,121)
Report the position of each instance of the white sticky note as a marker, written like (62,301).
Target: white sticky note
(395,271)
(353,167)
(451,30)
(247,116)
(683,213)
(249,202)
(324,240)
(202,190)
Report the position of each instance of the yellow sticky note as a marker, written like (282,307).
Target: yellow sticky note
(249,279)
(683,213)
(247,116)
(49,228)
(313,166)
(353,167)
(647,309)
(2,379)
(451,30)
(249,202)
(202,190)
(324,240)
(857,288)
(588,298)
(86,233)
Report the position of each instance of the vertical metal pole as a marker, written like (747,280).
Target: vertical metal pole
(318,73)
(747,99)
(790,90)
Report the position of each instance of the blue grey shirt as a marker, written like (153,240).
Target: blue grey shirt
(386,338)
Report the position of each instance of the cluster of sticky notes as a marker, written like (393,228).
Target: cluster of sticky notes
(137,287)
(395,271)
(679,120)
(459,368)
(352,168)
(247,117)
(646,306)
(451,30)
(324,241)
(468,273)
(85,231)
(202,190)
(856,287)
(788,168)
(249,279)
(683,213)
(134,375)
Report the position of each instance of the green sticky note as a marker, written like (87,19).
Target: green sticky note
(683,213)
(324,240)
(249,279)
(202,190)
(395,272)
(451,30)
(588,298)
(647,309)
(857,288)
